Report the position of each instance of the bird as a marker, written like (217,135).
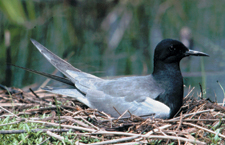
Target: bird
(157,95)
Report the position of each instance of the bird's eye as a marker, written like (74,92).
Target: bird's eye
(172,48)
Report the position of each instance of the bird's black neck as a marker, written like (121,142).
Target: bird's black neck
(169,77)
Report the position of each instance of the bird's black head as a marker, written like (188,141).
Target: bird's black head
(172,51)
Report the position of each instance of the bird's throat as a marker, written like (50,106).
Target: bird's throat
(169,77)
(166,70)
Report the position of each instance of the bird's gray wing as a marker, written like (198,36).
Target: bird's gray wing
(132,88)
(107,103)
(136,94)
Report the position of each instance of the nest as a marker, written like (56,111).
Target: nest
(199,121)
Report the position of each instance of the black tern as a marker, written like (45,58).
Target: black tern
(160,93)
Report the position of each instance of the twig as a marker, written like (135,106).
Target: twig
(189,92)
(21,113)
(69,107)
(180,122)
(42,109)
(133,143)
(44,141)
(61,138)
(23,140)
(62,125)
(83,134)
(89,123)
(75,121)
(156,130)
(213,120)
(13,122)
(178,140)
(201,96)
(116,140)
(103,113)
(33,130)
(128,117)
(186,115)
(175,138)
(9,112)
(122,115)
(34,93)
(199,127)
(52,107)
(116,110)
(14,104)
(150,137)
(114,133)
(199,108)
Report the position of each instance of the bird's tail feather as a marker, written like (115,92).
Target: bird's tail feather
(54,77)
(56,61)
(63,66)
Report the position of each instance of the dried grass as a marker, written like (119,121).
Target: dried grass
(197,121)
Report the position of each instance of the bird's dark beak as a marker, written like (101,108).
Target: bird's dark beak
(195,53)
